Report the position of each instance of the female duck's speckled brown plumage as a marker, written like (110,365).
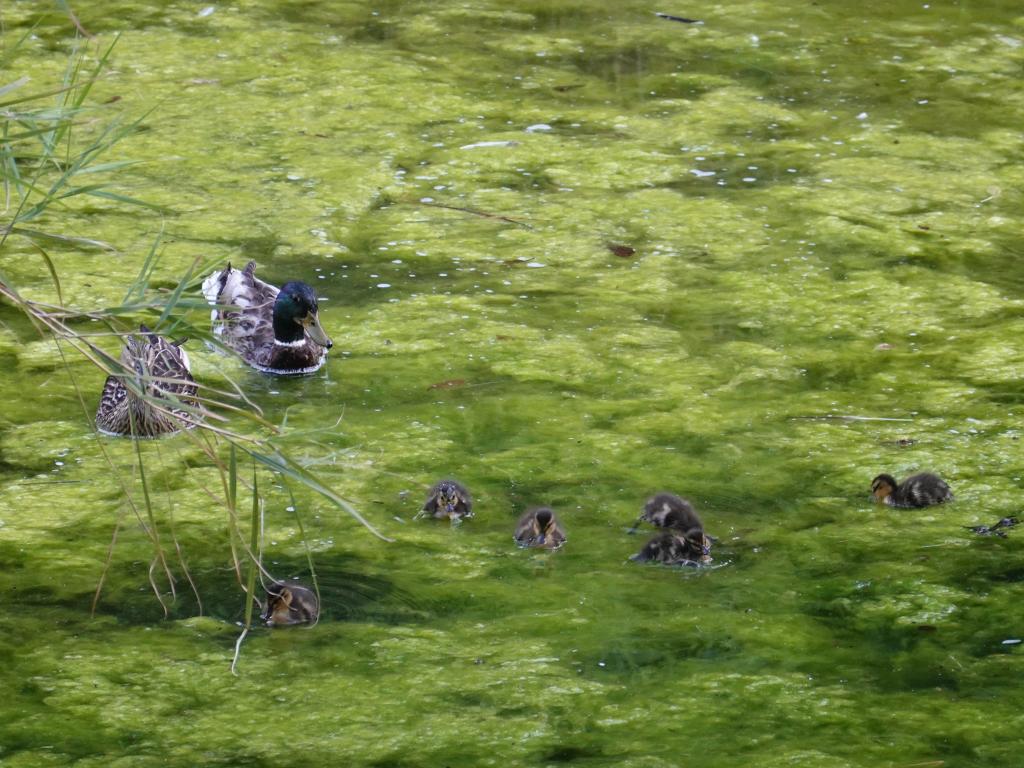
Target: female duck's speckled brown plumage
(290,604)
(160,369)
(921,490)
(450,499)
(539,528)
(273,330)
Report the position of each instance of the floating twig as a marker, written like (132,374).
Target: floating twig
(680,19)
(474,212)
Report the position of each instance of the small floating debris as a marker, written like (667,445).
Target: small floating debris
(680,19)
(539,128)
(479,144)
(620,250)
(1012,641)
(996,529)
(449,384)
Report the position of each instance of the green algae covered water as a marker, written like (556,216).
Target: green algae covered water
(572,254)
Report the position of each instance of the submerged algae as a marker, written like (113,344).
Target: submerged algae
(795,198)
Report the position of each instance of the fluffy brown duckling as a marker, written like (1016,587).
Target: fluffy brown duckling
(666,510)
(290,604)
(919,490)
(539,528)
(676,548)
(448,499)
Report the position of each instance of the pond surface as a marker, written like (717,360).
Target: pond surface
(571,254)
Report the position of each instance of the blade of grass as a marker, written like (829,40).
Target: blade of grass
(254,566)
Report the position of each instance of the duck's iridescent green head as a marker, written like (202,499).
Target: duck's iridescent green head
(296,314)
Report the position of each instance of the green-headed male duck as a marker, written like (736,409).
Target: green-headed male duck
(920,490)
(539,528)
(290,604)
(449,499)
(160,369)
(274,331)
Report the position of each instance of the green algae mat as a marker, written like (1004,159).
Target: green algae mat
(572,254)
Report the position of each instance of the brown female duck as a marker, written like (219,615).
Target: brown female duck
(160,370)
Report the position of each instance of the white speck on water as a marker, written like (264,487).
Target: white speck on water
(1012,641)
(701,174)
(479,144)
(383,285)
(538,128)
(207,11)
(862,116)
(426,199)
(535,264)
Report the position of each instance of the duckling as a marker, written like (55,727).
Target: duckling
(919,490)
(996,528)
(163,373)
(448,499)
(290,604)
(675,547)
(539,528)
(274,331)
(666,510)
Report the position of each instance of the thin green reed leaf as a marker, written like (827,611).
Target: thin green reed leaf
(289,468)
(176,293)
(233,479)
(254,543)
(106,193)
(305,546)
(254,564)
(84,241)
(159,554)
(53,272)
(36,96)
(137,290)
(13,86)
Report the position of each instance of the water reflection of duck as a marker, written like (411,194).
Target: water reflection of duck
(273,330)
(920,490)
(448,499)
(162,373)
(539,528)
(676,548)
(290,604)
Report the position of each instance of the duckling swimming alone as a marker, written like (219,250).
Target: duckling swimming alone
(163,373)
(448,499)
(290,604)
(920,490)
(273,330)
(676,548)
(539,528)
(666,510)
